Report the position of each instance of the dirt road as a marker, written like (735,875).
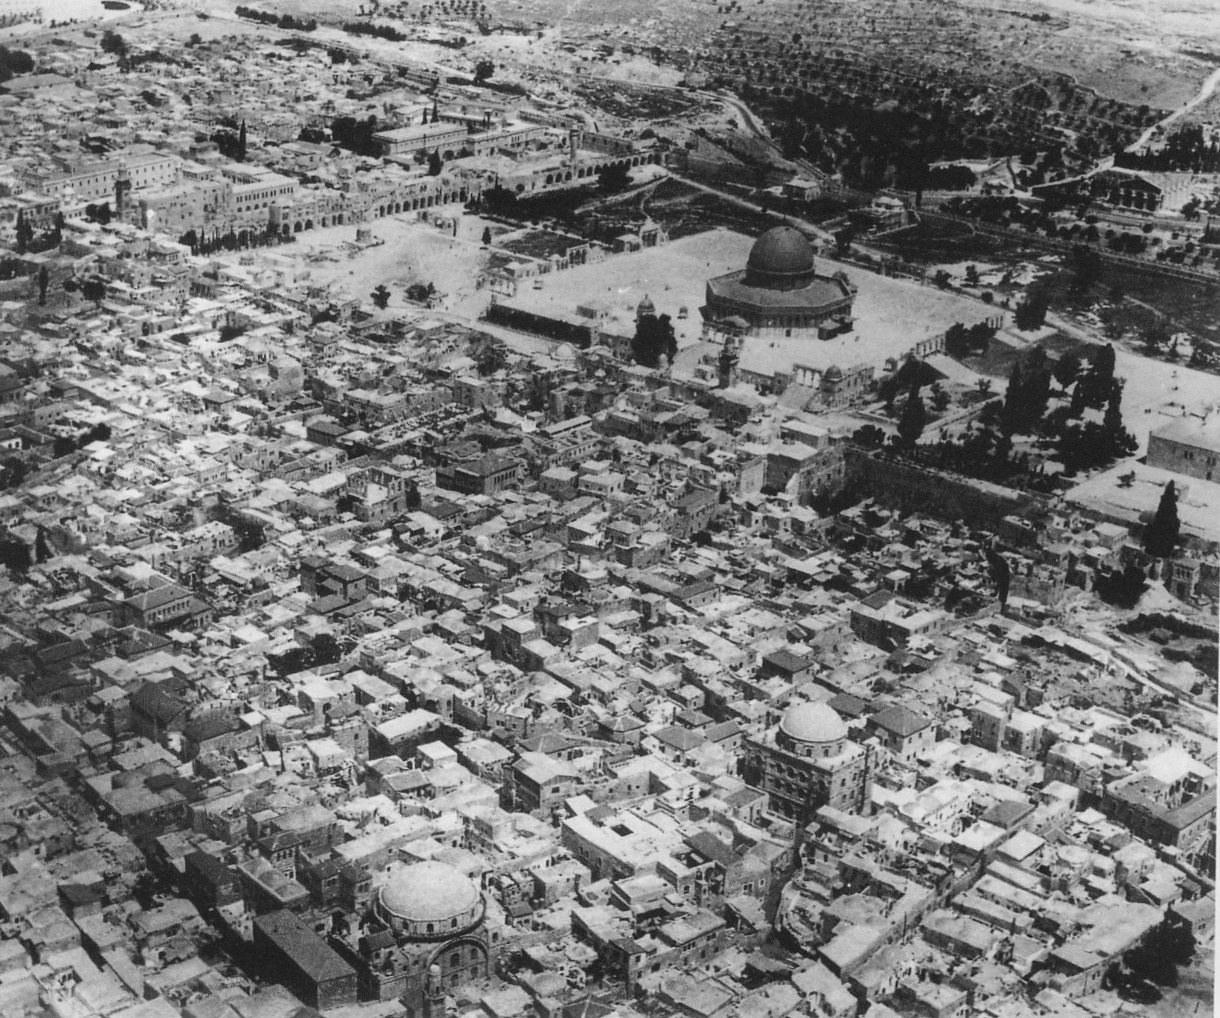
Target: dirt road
(1208,87)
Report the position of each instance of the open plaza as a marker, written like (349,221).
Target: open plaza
(891,315)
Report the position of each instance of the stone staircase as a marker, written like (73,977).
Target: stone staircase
(797,397)
(471,305)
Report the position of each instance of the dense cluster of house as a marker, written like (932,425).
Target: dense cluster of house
(352,662)
(309,605)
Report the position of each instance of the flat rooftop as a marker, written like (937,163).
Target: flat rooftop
(1198,501)
(1192,432)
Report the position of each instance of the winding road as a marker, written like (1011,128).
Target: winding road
(1205,90)
(749,121)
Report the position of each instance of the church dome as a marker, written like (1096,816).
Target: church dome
(429,892)
(812,722)
(834,373)
(781,256)
(645,307)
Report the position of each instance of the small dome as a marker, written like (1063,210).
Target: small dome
(781,255)
(429,892)
(834,373)
(813,722)
(646,307)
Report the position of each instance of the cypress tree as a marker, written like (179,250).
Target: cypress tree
(914,417)
(1103,364)
(1162,533)
(1012,412)
(241,143)
(1037,389)
(1100,378)
(42,550)
(1119,441)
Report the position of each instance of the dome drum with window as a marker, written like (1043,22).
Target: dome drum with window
(429,901)
(779,294)
(811,730)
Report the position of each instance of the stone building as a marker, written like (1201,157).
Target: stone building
(779,294)
(808,762)
(425,933)
(1187,446)
(303,961)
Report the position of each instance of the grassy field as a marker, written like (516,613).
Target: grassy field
(684,210)
(1191,306)
(936,240)
(1128,50)
(679,208)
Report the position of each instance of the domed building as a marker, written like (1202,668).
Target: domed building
(426,933)
(779,294)
(812,729)
(807,761)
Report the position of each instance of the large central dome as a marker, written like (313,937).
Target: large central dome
(429,892)
(813,722)
(782,258)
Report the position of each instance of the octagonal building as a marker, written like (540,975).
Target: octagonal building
(779,294)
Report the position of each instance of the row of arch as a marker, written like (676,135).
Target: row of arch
(415,204)
(445,198)
(336,220)
(378,211)
(593,171)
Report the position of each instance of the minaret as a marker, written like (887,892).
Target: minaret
(122,184)
(727,364)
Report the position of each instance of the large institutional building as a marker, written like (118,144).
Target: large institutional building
(778,295)
(426,932)
(808,762)
(1188,446)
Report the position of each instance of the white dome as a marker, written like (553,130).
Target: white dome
(429,892)
(813,722)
